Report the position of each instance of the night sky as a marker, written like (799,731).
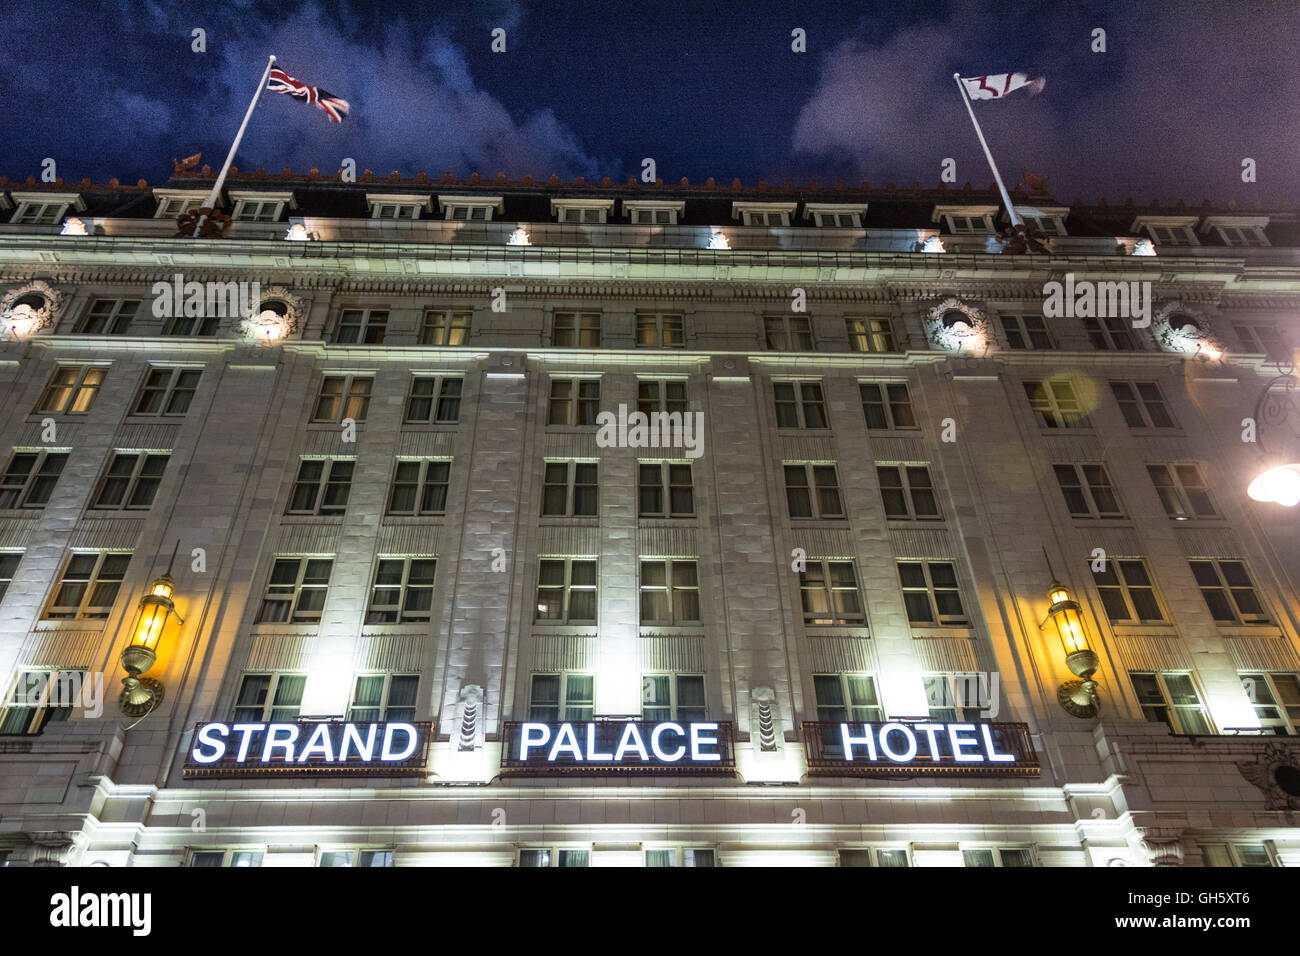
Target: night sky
(1184,92)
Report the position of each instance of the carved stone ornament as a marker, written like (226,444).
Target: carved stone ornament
(1275,771)
(26,318)
(953,325)
(1187,331)
(277,315)
(1163,846)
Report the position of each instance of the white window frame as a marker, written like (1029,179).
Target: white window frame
(674,704)
(1176,722)
(1108,330)
(662,322)
(7,574)
(887,405)
(553,854)
(661,402)
(441,392)
(996,853)
(682,856)
(1055,415)
(174,203)
(411,203)
(345,397)
(1167,230)
(1139,402)
(1176,495)
(908,488)
(1021,329)
(44,209)
(578,328)
(446,327)
(829,589)
(1121,586)
(956,705)
(299,589)
(812,489)
(422,484)
(661,212)
(961,219)
(246,200)
(1249,230)
(938,617)
(23,491)
(47,707)
(1048,219)
(374,322)
(404,588)
(790,339)
(169,389)
(670,590)
(451,206)
(84,610)
(75,390)
(570,486)
(562,704)
(1087,489)
(574,399)
(591,212)
(873,855)
(385,696)
(269,705)
(229,857)
(1233,852)
(801,403)
(826,215)
(354,856)
(566,590)
(761,213)
(853,713)
(664,485)
(133,480)
(1285,721)
(111,320)
(323,484)
(1229,592)
(869,336)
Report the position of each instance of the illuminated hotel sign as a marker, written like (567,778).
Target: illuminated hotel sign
(617,746)
(910,748)
(309,748)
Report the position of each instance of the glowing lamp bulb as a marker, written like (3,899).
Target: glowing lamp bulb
(1278,485)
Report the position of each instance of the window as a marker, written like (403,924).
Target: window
(667,396)
(689,856)
(930,592)
(361,327)
(108,317)
(175,203)
(574,401)
(1260,339)
(844,698)
(8,568)
(576,330)
(777,214)
(1127,591)
(788,333)
(887,406)
(1142,404)
(1171,699)
(384,697)
(322,487)
(88,586)
(863,857)
(457,209)
(342,397)
(554,857)
(420,487)
(570,695)
(30,478)
(226,858)
(1182,491)
(72,389)
(269,698)
(641,213)
(39,696)
(445,327)
(39,214)
(955,697)
(659,331)
(1172,235)
(1088,491)
(1056,404)
(828,591)
(569,488)
(296,591)
(871,335)
(1242,235)
(1026,332)
(131,482)
(167,391)
(389,210)
(356,858)
(670,592)
(1228,592)
(665,490)
(1110,334)
(1237,854)
(403,591)
(678,697)
(1048,224)
(907,492)
(1276,698)
(812,491)
(997,856)
(799,405)
(586,215)
(433,400)
(566,591)
(258,210)
(191,325)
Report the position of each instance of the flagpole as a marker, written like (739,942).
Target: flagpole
(1011,210)
(215,196)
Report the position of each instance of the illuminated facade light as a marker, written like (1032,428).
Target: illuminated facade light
(141,695)
(1143,247)
(1077,697)
(1277,485)
(72,226)
(718,241)
(519,238)
(297,233)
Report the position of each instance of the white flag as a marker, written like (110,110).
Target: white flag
(997,85)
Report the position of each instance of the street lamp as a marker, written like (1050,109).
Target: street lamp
(1280,483)
(141,695)
(1077,697)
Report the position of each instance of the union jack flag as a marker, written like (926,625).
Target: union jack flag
(334,107)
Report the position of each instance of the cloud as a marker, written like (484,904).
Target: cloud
(1169,111)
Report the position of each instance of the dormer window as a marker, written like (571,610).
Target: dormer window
(650,213)
(260,206)
(835,215)
(966,220)
(44,209)
(470,208)
(763,213)
(1046,219)
(1168,230)
(177,202)
(397,206)
(1238,230)
(582,211)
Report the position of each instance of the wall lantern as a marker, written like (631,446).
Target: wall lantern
(1279,482)
(1077,697)
(141,695)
